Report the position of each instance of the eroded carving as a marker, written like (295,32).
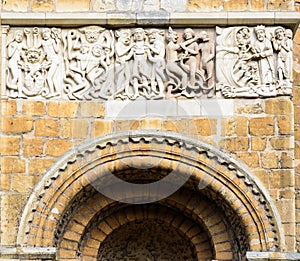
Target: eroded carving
(93,62)
(254,62)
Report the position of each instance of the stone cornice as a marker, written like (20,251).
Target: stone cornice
(289,19)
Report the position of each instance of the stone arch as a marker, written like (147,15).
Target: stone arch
(228,185)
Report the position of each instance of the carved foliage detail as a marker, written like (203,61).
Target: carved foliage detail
(254,62)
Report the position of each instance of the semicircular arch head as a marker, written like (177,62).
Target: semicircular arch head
(149,161)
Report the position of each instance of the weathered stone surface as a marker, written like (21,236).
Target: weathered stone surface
(233,5)
(100,5)
(269,160)
(32,146)
(262,126)
(101,127)
(257,5)
(251,159)
(42,6)
(174,5)
(34,108)
(15,6)
(57,147)
(47,128)
(11,207)
(17,124)
(280,5)
(62,109)
(205,5)
(39,165)
(13,165)
(72,5)
(258,143)
(9,146)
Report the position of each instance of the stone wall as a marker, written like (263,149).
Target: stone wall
(262,134)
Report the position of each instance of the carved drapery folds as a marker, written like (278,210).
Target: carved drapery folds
(93,62)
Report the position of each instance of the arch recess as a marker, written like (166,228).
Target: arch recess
(220,177)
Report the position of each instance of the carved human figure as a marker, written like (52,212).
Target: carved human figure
(50,44)
(207,51)
(283,45)
(289,55)
(96,67)
(175,72)
(140,72)
(14,53)
(77,72)
(191,50)
(122,50)
(264,54)
(156,54)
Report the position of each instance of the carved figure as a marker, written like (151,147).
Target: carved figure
(156,54)
(50,44)
(14,53)
(177,76)
(190,52)
(140,69)
(264,54)
(283,45)
(207,51)
(123,74)
(77,86)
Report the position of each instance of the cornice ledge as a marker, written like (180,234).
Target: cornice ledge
(45,253)
(158,18)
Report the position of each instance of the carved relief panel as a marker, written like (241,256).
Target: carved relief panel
(93,62)
(254,62)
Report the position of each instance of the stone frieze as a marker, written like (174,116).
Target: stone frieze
(92,62)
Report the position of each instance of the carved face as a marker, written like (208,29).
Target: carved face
(92,35)
(279,33)
(188,33)
(124,36)
(139,34)
(172,36)
(46,34)
(261,35)
(18,36)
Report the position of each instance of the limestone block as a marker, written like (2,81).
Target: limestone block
(39,165)
(129,5)
(15,6)
(32,146)
(205,5)
(251,159)
(13,165)
(173,5)
(9,146)
(233,5)
(285,124)
(280,5)
(269,160)
(261,126)
(72,5)
(257,5)
(103,5)
(47,128)
(101,127)
(258,143)
(42,6)
(58,147)
(151,5)
(11,207)
(63,109)
(34,108)
(17,124)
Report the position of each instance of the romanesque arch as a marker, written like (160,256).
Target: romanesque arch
(220,210)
